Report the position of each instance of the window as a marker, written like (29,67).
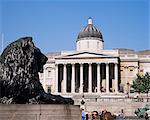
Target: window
(48,89)
(49,73)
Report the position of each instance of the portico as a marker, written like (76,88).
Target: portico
(78,74)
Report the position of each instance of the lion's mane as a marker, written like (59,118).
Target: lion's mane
(20,63)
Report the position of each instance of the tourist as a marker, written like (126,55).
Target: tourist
(121,115)
(101,115)
(107,116)
(95,115)
(87,117)
(83,114)
(146,116)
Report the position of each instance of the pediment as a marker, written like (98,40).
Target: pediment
(85,55)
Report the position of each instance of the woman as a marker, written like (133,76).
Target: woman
(107,116)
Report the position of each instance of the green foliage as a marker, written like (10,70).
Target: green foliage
(142,83)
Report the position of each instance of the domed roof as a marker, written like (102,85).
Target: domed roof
(90,31)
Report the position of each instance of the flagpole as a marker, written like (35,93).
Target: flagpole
(2,38)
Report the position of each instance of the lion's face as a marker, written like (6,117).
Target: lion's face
(19,66)
(41,59)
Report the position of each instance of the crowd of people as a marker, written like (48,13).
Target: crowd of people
(103,115)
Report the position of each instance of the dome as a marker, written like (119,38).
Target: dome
(90,31)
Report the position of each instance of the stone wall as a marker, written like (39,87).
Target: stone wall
(39,112)
(113,103)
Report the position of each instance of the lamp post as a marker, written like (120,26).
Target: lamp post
(128,91)
(2,41)
(82,101)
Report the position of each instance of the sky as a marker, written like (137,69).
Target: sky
(55,24)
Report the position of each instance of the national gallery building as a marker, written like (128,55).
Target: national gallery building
(92,70)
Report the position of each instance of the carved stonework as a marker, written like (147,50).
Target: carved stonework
(20,63)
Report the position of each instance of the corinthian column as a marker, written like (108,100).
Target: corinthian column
(116,78)
(107,78)
(98,78)
(73,79)
(64,80)
(90,78)
(81,78)
(56,81)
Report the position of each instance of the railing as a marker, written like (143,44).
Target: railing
(140,99)
(95,99)
(131,118)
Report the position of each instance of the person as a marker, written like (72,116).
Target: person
(95,115)
(107,116)
(121,115)
(101,115)
(146,116)
(83,114)
(87,117)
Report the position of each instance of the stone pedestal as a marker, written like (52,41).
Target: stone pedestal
(39,112)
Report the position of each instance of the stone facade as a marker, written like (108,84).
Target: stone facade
(131,63)
(91,69)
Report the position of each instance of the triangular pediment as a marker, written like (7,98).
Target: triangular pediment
(86,55)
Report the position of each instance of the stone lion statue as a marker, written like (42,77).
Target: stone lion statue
(20,63)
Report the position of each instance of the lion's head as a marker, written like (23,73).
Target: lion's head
(20,63)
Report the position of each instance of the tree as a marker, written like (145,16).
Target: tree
(142,83)
(146,82)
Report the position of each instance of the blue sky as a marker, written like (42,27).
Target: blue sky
(55,24)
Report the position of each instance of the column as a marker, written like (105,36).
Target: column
(64,80)
(90,78)
(73,79)
(56,80)
(98,78)
(126,78)
(107,78)
(81,78)
(116,78)
(136,70)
